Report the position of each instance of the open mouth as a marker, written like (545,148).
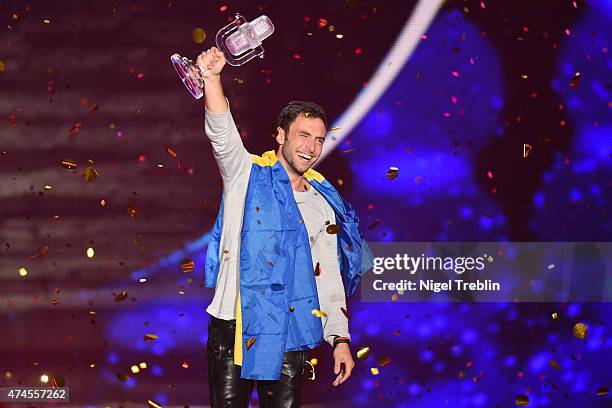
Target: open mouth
(305,157)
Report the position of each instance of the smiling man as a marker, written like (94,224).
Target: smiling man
(284,251)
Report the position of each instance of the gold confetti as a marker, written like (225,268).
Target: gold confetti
(8,375)
(580,330)
(394,297)
(555,315)
(133,211)
(142,365)
(490,258)
(92,313)
(185,364)
(392,173)
(521,400)
(90,252)
(198,35)
(44,378)
(90,172)
(554,364)
(575,80)
(332,229)
(187,265)
(364,352)
(602,391)
(47,21)
(291,308)
(317,270)
(23,271)
(314,361)
(374,371)
(334,129)
(250,342)
(318,313)
(551,266)
(102,202)
(526,149)
(121,296)
(150,337)
(122,377)
(135,369)
(170,152)
(69,164)
(153,404)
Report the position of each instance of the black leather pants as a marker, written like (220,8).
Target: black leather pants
(226,387)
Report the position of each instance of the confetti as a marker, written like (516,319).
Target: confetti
(121,296)
(187,265)
(521,400)
(602,391)
(153,404)
(135,369)
(580,330)
(150,337)
(291,308)
(44,378)
(185,364)
(383,360)
(170,151)
(122,377)
(317,270)
(392,173)
(554,364)
(133,211)
(364,352)
(575,80)
(2,66)
(526,149)
(250,342)
(90,173)
(143,365)
(374,371)
(551,266)
(69,164)
(318,313)
(23,271)
(374,224)
(332,229)
(555,315)
(90,252)
(198,35)
(74,129)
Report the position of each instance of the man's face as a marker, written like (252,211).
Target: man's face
(302,145)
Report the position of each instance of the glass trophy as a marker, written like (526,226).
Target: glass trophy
(240,41)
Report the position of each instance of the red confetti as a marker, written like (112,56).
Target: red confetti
(489,174)
(141,158)
(223,8)
(455,74)
(482,5)
(75,128)
(140,75)
(358,51)
(297,56)
(454,99)
(322,22)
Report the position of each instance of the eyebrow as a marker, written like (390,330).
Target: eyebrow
(308,134)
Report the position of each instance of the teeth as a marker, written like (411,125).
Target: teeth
(304,156)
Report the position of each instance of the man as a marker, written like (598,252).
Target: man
(284,250)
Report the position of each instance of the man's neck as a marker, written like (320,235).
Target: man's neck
(298,182)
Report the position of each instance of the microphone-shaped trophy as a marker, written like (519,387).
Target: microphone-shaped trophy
(240,42)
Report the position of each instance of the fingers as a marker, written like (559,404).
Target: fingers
(344,372)
(208,58)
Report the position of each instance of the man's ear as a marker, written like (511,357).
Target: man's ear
(280,135)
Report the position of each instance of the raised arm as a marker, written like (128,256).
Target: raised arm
(230,154)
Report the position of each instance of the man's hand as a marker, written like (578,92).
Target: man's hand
(211,62)
(342,355)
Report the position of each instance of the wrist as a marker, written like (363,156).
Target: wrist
(341,340)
